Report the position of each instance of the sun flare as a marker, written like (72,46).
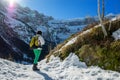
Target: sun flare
(12,2)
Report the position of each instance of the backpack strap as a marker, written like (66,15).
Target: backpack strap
(32,42)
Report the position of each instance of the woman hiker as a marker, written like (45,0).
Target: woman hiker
(36,44)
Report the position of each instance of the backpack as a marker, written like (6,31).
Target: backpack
(34,42)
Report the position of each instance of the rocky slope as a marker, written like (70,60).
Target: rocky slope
(92,47)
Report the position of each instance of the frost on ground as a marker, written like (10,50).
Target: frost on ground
(70,69)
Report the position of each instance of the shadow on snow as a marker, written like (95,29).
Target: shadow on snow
(44,75)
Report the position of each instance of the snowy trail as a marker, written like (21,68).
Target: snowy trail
(14,71)
(70,69)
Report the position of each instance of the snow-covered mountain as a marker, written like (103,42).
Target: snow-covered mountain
(70,69)
(62,29)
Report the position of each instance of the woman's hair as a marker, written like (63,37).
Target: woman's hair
(39,32)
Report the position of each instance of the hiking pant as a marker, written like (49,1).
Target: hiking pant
(37,53)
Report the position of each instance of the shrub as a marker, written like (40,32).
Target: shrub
(66,51)
(104,57)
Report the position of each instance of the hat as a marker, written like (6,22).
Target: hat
(39,32)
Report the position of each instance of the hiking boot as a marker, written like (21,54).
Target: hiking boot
(35,67)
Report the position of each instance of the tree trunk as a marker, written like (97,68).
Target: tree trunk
(101,22)
(103,10)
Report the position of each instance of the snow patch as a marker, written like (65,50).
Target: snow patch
(73,60)
(113,19)
(69,43)
(116,34)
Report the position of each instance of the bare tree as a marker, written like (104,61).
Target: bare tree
(101,21)
(103,10)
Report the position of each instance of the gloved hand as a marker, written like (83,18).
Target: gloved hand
(39,48)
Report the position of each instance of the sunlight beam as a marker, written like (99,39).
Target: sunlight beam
(11,3)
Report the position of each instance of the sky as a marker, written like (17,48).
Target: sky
(67,9)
